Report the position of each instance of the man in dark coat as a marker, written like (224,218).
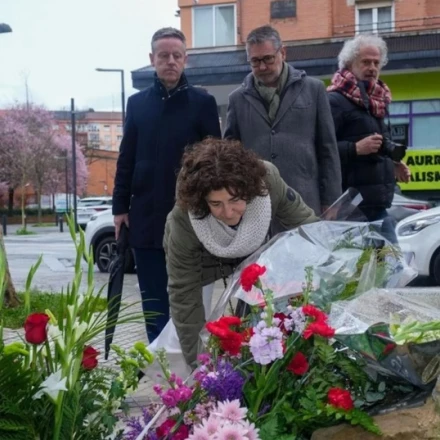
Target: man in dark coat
(284,116)
(161,121)
(370,161)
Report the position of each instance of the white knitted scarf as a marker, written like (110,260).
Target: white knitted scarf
(225,242)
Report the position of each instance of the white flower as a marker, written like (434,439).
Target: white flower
(79,329)
(70,310)
(54,333)
(52,386)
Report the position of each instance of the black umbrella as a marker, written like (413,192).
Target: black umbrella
(115,283)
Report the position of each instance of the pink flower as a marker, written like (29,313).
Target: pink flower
(199,434)
(251,432)
(231,432)
(211,425)
(231,411)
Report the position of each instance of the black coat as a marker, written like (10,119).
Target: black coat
(158,127)
(373,174)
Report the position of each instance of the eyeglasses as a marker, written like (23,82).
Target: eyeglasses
(267,59)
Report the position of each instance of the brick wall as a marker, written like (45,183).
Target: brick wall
(317,19)
(102,168)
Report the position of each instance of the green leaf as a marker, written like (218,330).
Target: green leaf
(270,430)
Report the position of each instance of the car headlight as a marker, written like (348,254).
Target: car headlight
(93,218)
(417,225)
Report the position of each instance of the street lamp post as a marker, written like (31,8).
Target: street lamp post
(72,115)
(5,28)
(121,71)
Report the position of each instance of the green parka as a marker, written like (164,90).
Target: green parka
(190,266)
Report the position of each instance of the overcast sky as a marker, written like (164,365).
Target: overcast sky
(57,44)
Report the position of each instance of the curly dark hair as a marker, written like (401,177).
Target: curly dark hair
(216,164)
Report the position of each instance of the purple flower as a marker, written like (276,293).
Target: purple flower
(223,384)
(137,424)
(266,345)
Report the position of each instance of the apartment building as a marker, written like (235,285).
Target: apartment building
(94,130)
(313,32)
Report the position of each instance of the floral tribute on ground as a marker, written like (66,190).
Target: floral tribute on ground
(267,375)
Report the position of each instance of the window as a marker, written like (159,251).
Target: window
(214,26)
(94,137)
(119,138)
(106,127)
(374,19)
(107,138)
(93,127)
(418,122)
(119,128)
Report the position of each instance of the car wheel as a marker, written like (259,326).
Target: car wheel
(105,251)
(435,268)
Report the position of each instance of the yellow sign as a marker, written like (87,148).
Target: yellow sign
(425,170)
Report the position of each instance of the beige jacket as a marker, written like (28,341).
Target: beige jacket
(190,266)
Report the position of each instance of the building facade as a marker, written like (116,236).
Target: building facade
(94,130)
(313,32)
(99,134)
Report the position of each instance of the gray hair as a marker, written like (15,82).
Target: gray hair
(262,34)
(352,48)
(167,32)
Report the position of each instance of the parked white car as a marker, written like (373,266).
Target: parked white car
(420,234)
(89,206)
(100,234)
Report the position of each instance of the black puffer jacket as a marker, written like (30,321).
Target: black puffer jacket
(373,174)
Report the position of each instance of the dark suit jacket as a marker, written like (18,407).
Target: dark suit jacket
(158,127)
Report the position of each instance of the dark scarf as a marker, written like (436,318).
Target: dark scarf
(378,93)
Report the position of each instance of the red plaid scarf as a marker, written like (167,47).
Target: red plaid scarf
(379,95)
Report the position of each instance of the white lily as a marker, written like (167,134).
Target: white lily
(79,329)
(56,335)
(52,386)
(70,310)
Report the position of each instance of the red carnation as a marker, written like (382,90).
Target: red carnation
(166,430)
(314,312)
(318,328)
(217,329)
(232,343)
(340,398)
(250,276)
(298,365)
(229,320)
(35,328)
(89,359)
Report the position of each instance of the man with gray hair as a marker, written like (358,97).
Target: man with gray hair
(285,117)
(359,100)
(161,121)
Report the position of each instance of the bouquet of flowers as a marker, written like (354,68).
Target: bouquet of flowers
(271,374)
(396,332)
(52,386)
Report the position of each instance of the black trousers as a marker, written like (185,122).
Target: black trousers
(153,280)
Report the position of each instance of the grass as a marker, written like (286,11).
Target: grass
(24,232)
(43,225)
(40,301)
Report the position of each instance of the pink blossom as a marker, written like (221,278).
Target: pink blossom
(231,432)
(199,434)
(231,411)
(251,432)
